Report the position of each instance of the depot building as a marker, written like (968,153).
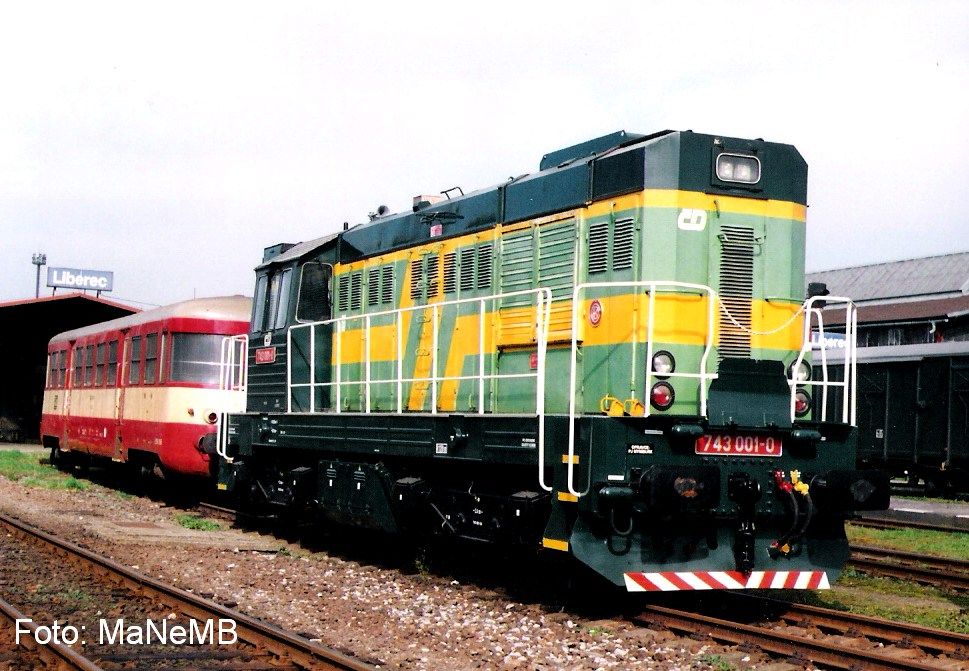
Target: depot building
(26,326)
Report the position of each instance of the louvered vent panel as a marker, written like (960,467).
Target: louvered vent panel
(433,275)
(517,266)
(373,286)
(416,276)
(356,290)
(387,284)
(484,266)
(343,293)
(736,290)
(598,247)
(450,276)
(467,269)
(622,244)
(556,258)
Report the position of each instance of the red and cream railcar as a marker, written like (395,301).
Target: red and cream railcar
(146,388)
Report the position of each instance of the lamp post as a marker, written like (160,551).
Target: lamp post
(38,260)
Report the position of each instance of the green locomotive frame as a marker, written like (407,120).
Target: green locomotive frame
(485,366)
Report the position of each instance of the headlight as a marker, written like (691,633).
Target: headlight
(802,374)
(663,363)
(661,396)
(738,168)
(802,402)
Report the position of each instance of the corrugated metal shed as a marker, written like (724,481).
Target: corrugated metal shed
(928,277)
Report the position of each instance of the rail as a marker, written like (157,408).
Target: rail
(233,376)
(651,288)
(542,309)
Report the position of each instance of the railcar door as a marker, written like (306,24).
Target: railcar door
(958,421)
(120,393)
(69,386)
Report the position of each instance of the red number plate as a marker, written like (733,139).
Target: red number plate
(739,446)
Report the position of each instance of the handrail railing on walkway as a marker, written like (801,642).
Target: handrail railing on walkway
(542,305)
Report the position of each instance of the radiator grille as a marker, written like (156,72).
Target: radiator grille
(736,290)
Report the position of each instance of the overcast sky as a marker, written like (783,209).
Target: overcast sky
(171,142)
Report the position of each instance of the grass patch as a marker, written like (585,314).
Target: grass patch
(937,543)
(891,599)
(25,468)
(197,523)
(717,662)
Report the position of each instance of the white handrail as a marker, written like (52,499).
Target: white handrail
(233,376)
(849,383)
(542,306)
(652,287)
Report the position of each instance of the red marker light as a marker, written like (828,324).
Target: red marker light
(661,396)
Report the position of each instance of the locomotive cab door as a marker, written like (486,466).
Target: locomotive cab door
(310,357)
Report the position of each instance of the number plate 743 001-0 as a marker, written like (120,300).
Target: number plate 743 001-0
(728,445)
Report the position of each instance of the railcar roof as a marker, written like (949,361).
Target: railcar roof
(220,308)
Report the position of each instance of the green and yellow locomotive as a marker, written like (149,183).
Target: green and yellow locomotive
(610,358)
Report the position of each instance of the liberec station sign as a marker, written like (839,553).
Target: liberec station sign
(72,278)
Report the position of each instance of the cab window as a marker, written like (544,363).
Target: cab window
(313,302)
(271,303)
(259,303)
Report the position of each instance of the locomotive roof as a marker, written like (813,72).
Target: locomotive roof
(572,177)
(300,250)
(221,308)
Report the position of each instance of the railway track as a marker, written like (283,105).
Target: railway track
(53,655)
(259,646)
(820,636)
(925,569)
(897,523)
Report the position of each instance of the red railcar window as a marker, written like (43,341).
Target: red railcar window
(99,371)
(151,358)
(113,363)
(89,366)
(196,357)
(134,361)
(77,380)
